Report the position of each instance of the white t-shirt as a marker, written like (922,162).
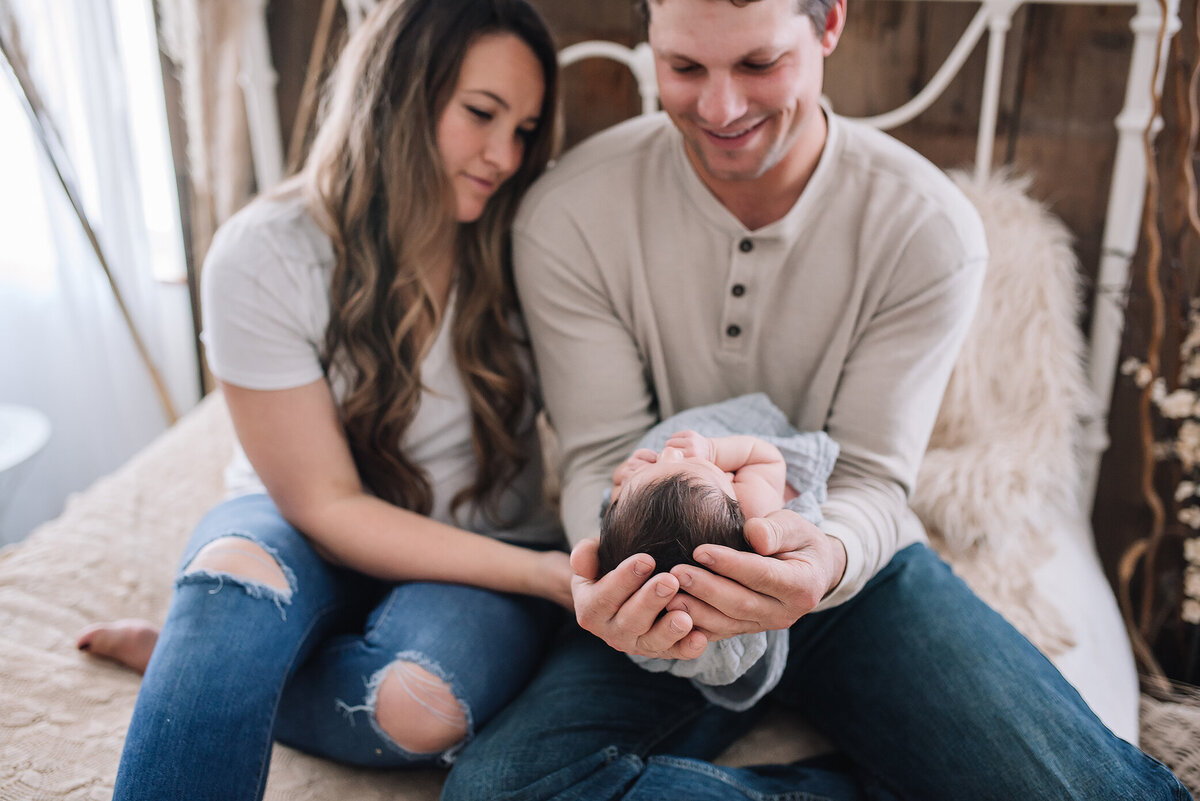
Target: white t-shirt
(265,298)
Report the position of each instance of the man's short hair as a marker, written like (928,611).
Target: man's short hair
(817,10)
(668,519)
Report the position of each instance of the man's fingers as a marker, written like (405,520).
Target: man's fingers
(690,647)
(764,536)
(665,634)
(598,601)
(638,616)
(723,590)
(728,570)
(816,558)
(625,607)
(673,637)
(710,621)
(779,532)
(585,560)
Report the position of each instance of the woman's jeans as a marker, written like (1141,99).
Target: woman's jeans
(240,664)
(925,691)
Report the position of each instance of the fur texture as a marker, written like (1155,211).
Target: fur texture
(1003,457)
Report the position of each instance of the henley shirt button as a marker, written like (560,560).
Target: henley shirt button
(745,246)
(738,290)
(733,330)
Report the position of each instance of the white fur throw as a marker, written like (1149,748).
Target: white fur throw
(1003,455)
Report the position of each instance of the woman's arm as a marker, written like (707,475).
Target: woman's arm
(297,445)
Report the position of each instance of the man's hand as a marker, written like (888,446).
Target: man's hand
(623,607)
(794,566)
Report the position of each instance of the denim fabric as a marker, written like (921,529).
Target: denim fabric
(927,693)
(239,664)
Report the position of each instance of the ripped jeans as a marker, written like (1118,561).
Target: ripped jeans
(240,664)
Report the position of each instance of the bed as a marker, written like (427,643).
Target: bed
(1012,461)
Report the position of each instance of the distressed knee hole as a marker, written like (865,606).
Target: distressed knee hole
(240,558)
(418,711)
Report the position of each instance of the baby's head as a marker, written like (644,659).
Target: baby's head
(668,517)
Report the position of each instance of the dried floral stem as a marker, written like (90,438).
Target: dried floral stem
(1193,105)
(1128,565)
(1154,346)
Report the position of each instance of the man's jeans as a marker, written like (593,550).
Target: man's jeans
(239,664)
(926,692)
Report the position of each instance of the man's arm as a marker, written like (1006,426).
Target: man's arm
(600,405)
(887,400)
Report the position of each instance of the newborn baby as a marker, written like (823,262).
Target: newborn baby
(684,489)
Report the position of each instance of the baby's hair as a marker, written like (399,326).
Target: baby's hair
(668,519)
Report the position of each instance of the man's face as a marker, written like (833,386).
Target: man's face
(742,84)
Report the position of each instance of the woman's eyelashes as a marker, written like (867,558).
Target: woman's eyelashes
(483,115)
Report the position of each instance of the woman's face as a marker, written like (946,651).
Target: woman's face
(493,111)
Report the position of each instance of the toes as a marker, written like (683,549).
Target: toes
(83,640)
(128,642)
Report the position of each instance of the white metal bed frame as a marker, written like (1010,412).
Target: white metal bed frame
(1126,189)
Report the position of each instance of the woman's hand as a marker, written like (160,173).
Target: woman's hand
(794,566)
(553,578)
(623,607)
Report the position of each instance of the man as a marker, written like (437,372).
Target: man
(749,240)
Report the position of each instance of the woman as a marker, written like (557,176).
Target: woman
(366,594)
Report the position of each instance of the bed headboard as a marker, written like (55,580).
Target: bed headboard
(1153,23)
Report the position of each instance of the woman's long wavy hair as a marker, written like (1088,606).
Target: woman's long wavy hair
(375,183)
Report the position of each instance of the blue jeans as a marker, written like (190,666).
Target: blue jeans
(926,692)
(240,664)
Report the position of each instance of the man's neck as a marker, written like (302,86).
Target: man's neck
(760,201)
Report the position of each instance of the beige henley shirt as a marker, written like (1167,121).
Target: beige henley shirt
(645,296)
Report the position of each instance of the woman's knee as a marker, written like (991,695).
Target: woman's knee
(418,711)
(242,559)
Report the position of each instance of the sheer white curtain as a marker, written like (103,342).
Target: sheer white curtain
(64,347)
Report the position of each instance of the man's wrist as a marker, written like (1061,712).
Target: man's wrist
(839,553)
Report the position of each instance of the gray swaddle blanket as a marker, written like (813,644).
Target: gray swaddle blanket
(737,672)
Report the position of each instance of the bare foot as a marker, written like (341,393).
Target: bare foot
(129,642)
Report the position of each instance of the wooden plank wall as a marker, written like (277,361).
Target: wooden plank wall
(1063,86)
